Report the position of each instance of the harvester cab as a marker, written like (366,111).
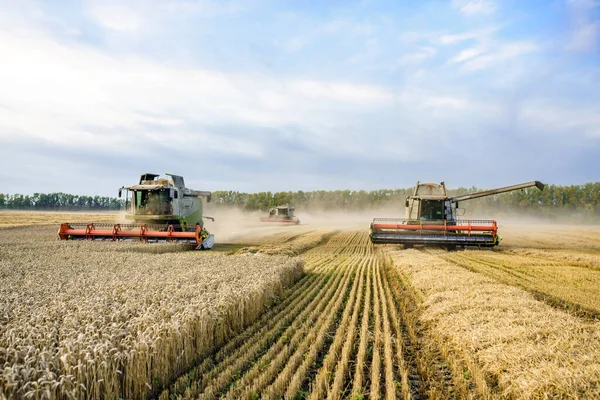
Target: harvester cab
(432,219)
(281,213)
(161,209)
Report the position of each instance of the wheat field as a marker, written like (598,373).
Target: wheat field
(89,320)
(303,312)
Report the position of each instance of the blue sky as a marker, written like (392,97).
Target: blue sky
(298,95)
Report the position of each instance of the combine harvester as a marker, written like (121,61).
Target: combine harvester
(161,210)
(283,214)
(431,220)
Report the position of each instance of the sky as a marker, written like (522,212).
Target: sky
(270,95)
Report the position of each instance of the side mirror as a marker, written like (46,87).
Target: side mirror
(406,203)
(209,198)
(120,191)
(175,194)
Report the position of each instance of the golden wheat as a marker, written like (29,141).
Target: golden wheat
(130,320)
(89,320)
(500,338)
(558,277)
(21,218)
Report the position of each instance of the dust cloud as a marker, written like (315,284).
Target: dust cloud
(233,224)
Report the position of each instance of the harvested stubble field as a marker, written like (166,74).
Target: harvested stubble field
(340,331)
(519,321)
(386,322)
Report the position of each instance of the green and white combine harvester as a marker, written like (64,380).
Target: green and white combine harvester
(160,210)
(431,219)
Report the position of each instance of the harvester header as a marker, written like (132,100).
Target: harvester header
(431,219)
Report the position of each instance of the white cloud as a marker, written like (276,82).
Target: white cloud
(560,118)
(75,95)
(477,59)
(454,38)
(119,16)
(418,56)
(447,102)
(340,91)
(585,30)
(475,7)
(467,54)
(133,15)
(584,37)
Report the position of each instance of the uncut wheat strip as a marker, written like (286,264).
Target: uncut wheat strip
(294,372)
(469,379)
(322,379)
(578,258)
(359,368)
(239,358)
(525,348)
(92,373)
(408,299)
(341,369)
(401,364)
(316,333)
(274,358)
(390,387)
(556,283)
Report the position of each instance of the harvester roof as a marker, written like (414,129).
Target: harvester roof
(145,187)
(430,191)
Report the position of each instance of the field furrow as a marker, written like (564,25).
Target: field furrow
(361,354)
(374,389)
(342,367)
(390,381)
(341,336)
(265,368)
(333,335)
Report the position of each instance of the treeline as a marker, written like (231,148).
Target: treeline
(59,202)
(581,200)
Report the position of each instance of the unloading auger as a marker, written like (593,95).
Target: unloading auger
(161,210)
(431,219)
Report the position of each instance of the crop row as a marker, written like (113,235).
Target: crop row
(341,331)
